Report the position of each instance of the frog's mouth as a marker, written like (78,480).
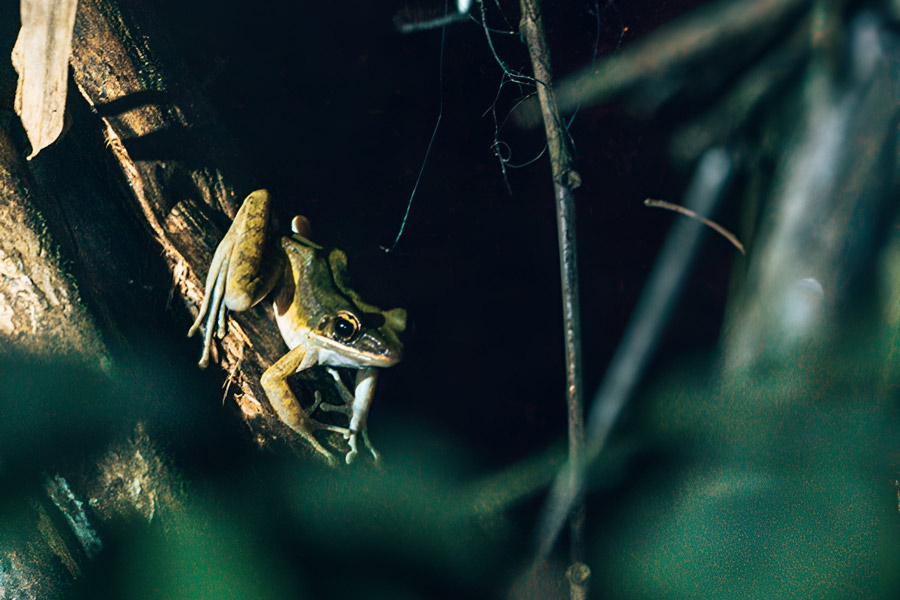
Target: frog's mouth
(365,351)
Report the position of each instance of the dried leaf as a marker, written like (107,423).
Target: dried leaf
(41,58)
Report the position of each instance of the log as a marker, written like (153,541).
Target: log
(59,405)
(185,175)
(41,313)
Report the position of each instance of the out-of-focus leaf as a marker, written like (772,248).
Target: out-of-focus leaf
(41,58)
(744,534)
(674,60)
(784,493)
(830,202)
(203,552)
(411,511)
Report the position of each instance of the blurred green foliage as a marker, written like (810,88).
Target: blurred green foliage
(782,485)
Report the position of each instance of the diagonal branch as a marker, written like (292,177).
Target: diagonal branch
(183,172)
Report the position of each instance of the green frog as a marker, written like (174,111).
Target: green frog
(322,320)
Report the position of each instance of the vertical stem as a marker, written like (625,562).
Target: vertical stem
(565,179)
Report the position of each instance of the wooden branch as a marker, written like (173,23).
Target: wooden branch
(184,173)
(55,371)
(565,179)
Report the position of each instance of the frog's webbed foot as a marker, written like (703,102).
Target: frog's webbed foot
(325,406)
(212,310)
(351,456)
(356,408)
(349,435)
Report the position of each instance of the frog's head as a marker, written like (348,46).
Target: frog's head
(351,332)
(351,338)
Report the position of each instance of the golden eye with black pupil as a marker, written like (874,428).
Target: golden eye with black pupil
(345,327)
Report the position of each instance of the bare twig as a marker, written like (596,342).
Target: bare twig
(184,172)
(688,212)
(565,179)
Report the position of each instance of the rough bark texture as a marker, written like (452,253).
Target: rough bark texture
(55,374)
(172,157)
(183,172)
(41,313)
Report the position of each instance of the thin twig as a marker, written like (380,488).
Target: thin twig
(565,179)
(688,212)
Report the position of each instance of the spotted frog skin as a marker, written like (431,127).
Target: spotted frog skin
(322,320)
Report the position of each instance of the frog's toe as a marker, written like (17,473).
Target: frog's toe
(322,451)
(340,408)
(221,328)
(351,441)
(330,459)
(333,428)
(318,404)
(376,456)
(315,404)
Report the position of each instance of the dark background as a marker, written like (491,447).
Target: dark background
(333,109)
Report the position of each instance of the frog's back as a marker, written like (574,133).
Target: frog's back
(296,307)
(308,292)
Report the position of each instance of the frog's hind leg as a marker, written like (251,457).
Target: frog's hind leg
(283,400)
(241,273)
(250,273)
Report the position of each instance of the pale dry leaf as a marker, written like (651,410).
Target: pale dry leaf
(41,58)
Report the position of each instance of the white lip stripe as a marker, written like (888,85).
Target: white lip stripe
(331,358)
(328,351)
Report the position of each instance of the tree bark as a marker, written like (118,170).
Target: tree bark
(41,313)
(185,175)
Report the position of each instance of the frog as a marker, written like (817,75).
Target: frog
(322,320)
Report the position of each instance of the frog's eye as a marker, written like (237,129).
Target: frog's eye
(346,326)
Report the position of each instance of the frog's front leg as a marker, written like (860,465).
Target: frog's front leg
(283,400)
(356,407)
(238,278)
